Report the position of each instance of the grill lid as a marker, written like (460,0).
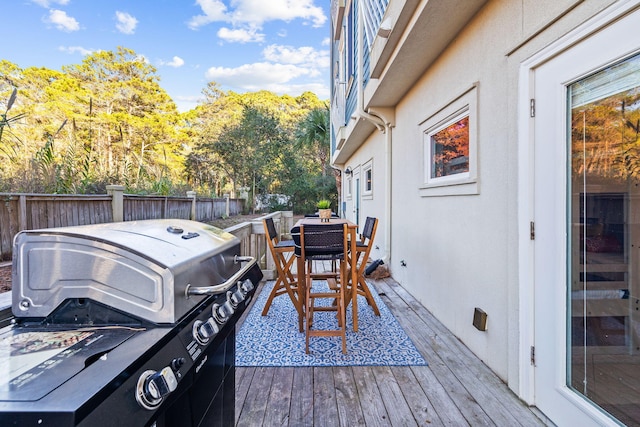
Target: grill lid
(138,267)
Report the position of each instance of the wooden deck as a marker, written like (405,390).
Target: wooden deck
(456,389)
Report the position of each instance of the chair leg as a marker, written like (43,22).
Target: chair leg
(337,295)
(308,308)
(277,287)
(363,289)
(292,286)
(287,283)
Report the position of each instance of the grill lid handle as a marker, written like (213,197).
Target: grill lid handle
(228,284)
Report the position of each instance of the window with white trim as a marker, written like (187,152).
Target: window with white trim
(449,141)
(367,182)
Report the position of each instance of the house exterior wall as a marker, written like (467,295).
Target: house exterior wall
(458,252)
(370,154)
(466,254)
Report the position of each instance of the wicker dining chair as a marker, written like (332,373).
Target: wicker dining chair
(326,242)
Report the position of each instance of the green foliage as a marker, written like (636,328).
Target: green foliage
(254,142)
(123,128)
(310,176)
(323,204)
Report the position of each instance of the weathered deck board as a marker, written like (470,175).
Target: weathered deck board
(437,356)
(455,389)
(393,398)
(279,402)
(442,402)
(325,405)
(302,395)
(373,410)
(421,407)
(349,411)
(255,403)
(478,379)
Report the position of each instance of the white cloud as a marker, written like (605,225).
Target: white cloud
(126,23)
(249,16)
(62,21)
(305,55)
(214,10)
(287,70)
(260,11)
(240,35)
(255,76)
(47,3)
(75,49)
(176,62)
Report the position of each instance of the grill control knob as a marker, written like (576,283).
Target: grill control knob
(176,364)
(235,298)
(153,386)
(222,313)
(246,286)
(203,331)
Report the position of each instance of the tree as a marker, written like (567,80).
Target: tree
(228,113)
(314,179)
(132,117)
(313,135)
(249,151)
(121,127)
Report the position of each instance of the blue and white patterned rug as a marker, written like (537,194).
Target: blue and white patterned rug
(274,340)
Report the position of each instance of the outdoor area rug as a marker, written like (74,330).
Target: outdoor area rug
(274,339)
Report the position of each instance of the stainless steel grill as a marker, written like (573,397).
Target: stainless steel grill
(138,318)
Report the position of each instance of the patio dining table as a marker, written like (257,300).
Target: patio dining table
(352,230)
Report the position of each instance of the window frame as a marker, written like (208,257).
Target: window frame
(367,169)
(465,183)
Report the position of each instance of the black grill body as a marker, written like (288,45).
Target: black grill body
(91,361)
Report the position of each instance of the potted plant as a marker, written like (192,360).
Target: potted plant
(324,210)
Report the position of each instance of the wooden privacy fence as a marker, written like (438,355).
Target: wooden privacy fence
(20,211)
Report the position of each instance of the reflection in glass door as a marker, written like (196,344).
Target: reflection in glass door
(604,240)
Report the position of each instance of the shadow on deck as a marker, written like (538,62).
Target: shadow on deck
(455,389)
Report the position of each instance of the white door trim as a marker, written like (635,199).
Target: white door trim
(526,188)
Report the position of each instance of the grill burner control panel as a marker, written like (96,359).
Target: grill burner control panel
(154,386)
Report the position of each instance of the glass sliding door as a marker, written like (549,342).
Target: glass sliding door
(604,239)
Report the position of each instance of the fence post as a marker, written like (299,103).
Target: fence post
(192,194)
(226,196)
(22,212)
(287,222)
(117,201)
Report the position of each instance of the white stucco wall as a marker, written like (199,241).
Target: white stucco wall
(373,151)
(461,251)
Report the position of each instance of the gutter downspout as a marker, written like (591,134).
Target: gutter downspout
(382,125)
(387,188)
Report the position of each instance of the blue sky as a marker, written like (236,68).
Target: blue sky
(244,45)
